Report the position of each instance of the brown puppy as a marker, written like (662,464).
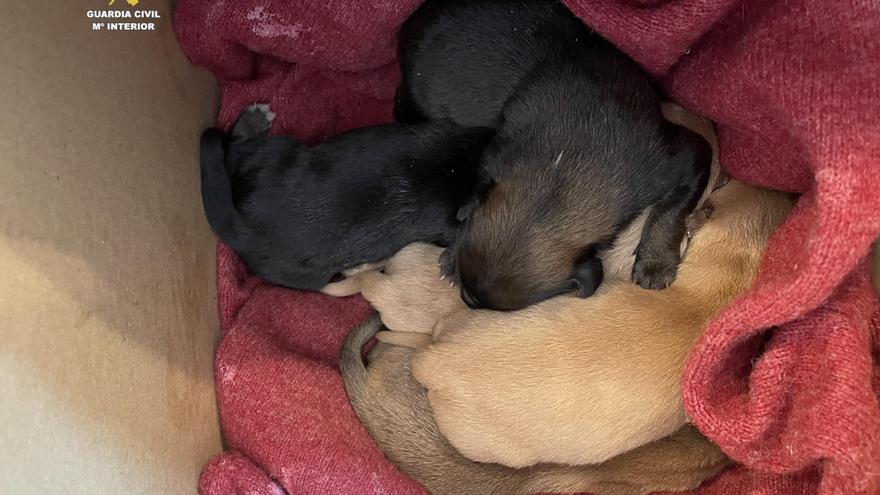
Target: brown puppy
(394,409)
(580,150)
(579,381)
(617,261)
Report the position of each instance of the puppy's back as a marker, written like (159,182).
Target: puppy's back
(440,53)
(395,410)
(297,215)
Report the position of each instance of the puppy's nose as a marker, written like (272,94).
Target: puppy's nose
(471,300)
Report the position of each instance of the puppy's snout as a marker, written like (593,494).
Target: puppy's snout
(469,298)
(588,274)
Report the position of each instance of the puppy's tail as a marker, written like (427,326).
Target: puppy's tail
(216,187)
(351,362)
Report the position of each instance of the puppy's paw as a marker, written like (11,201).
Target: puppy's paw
(697,219)
(264,109)
(655,271)
(255,121)
(447,264)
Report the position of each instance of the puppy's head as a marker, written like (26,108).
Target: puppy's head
(534,237)
(541,228)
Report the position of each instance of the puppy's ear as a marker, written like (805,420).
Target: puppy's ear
(587,276)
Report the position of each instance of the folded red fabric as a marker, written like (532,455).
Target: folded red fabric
(786,379)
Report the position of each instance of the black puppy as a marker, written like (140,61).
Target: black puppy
(298,215)
(581,148)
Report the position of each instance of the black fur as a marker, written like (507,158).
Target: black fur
(298,215)
(581,147)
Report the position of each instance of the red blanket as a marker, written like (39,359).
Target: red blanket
(786,380)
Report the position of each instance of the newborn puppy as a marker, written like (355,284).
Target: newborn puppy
(394,409)
(579,381)
(298,215)
(581,148)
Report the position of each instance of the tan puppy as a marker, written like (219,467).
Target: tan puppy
(411,296)
(394,409)
(579,381)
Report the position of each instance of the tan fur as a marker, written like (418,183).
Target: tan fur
(394,409)
(410,294)
(365,267)
(578,381)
